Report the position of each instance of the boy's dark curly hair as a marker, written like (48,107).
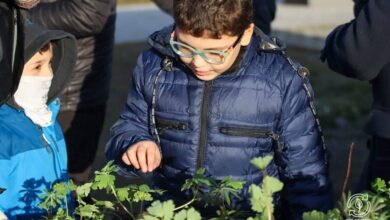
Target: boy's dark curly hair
(213,18)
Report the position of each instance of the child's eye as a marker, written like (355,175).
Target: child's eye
(38,67)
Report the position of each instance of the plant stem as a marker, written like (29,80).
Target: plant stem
(269,212)
(265,186)
(115,214)
(346,180)
(188,203)
(131,206)
(67,207)
(185,205)
(141,209)
(121,204)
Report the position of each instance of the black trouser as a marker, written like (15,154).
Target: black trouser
(378,163)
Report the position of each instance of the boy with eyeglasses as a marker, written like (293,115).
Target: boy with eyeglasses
(213,93)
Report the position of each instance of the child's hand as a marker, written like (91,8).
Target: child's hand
(144,154)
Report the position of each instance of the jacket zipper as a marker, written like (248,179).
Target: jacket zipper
(255,133)
(203,125)
(163,124)
(246,132)
(15,38)
(45,141)
(276,137)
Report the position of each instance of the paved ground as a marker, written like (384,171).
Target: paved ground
(304,26)
(136,22)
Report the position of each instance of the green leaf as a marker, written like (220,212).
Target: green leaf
(88,211)
(106,204)
(140,196)
(61,189)
(379,185)
(200,172)
(314,215)
(272,185)
(256,199)
(148,217)
(84,189)
(123,194)
(182,215)
(192,214)
(103,181)
(109,168)
(229,182)
(161,210)
(334,214)
(197,181)
(144,188)
(169,208)
(261,162)
(227,198)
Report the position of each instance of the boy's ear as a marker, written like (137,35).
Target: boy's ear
(246,37)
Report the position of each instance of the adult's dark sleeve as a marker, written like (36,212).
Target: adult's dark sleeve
(165,5)
(264,14)
(79,17)
(361,48)
(11,49)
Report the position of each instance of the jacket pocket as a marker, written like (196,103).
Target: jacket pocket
(246,132)
(252,133)
(165,124)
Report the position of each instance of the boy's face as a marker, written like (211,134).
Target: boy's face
(39,64)
(229,44)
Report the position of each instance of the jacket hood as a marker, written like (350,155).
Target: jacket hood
(64,53)
(159,41)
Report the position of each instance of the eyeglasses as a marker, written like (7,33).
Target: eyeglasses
(210,56)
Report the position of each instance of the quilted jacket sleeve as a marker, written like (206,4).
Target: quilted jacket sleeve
(81,18)
(132,125)
(302,157)
(360,48)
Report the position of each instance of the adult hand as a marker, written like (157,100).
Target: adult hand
(26,4)
(144,155)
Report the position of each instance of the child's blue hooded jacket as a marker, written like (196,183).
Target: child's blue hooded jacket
(260,108)
(32,159)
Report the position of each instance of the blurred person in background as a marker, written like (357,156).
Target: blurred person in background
(11,50)
(360,49)
(11,44)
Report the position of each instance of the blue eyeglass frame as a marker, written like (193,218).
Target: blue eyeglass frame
(201,53)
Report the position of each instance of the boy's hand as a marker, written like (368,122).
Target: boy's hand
(144,155)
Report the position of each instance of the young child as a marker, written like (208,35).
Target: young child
(33,153)
(211,93)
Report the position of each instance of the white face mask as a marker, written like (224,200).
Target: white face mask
(31,95)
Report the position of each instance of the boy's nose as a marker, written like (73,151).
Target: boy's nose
(198,61)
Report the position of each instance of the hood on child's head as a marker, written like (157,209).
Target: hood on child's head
(64,52)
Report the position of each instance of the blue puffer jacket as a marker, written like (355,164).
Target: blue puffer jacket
(260,108)
(23,143)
